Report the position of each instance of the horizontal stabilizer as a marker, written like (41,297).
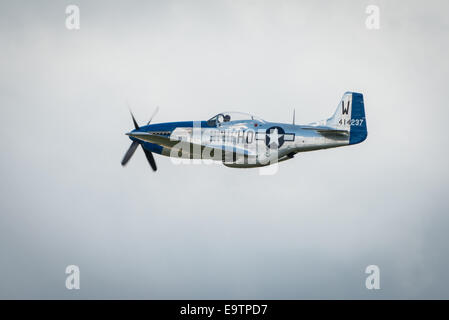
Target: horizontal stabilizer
(327,131)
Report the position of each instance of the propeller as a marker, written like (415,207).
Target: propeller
(135,144)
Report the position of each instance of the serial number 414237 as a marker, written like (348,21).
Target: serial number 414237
(351,122)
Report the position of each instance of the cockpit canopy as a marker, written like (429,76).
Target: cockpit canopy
(234,117)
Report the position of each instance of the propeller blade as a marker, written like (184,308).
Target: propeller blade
(130,153)
(134,121)
(150,159)
(152,116)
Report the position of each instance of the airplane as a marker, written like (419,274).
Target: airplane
(241,140)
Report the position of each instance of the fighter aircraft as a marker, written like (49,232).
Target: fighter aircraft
(241,140)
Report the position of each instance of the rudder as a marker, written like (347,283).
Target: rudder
(358,131)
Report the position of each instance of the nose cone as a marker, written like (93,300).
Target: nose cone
(133,133)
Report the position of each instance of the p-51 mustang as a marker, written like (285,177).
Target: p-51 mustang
(241,140)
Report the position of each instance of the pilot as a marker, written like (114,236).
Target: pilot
(227,118)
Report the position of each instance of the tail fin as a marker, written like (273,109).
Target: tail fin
(350,116)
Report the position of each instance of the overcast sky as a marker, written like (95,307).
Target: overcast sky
(208,231)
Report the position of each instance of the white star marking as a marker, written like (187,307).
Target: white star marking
(274,137)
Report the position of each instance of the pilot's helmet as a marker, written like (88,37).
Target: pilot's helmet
(227,118)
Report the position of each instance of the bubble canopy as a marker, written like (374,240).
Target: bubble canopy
(232,116)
